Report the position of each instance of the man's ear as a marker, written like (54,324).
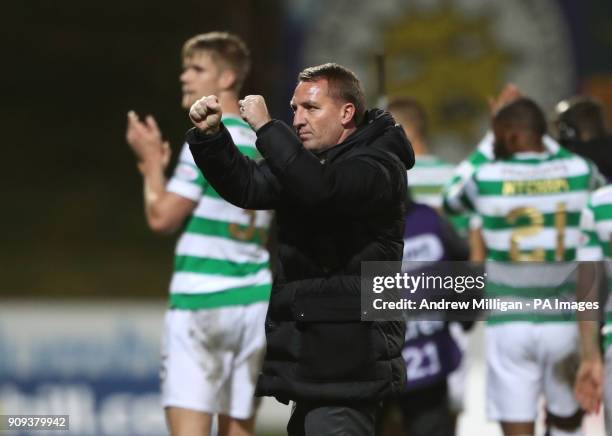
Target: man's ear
(227,79)
(347,114)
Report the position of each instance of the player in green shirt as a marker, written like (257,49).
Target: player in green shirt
(214,337)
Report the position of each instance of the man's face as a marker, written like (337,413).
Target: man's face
(200,77)
(317,117)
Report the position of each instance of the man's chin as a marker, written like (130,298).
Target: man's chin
(187,102)
(310,145)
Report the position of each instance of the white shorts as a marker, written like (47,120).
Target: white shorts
(526,360)
(608,390)
(211,359)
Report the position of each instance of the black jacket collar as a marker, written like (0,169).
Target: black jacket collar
(376,124)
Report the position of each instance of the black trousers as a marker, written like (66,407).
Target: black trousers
(424,412)
(318,420)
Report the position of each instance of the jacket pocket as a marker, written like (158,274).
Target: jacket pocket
(336,351)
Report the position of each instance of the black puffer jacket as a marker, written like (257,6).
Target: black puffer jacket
(334,211)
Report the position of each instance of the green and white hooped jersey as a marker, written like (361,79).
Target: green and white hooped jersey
(465,170)
(427,178)
(596,228)
(463,221)
(220,259)
(530,208)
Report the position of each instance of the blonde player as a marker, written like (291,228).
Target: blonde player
(214,337)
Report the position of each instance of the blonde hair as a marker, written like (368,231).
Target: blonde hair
(224,48)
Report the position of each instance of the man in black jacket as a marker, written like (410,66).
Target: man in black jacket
(339,190)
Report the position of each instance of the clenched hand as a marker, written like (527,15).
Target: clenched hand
(205,114)
(254,111)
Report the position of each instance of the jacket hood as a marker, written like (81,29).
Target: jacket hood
(379,130)
(598,150)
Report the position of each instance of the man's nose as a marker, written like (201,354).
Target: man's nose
(298,119)
(183,77)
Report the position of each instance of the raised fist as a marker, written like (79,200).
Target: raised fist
(254,111)
(206,113)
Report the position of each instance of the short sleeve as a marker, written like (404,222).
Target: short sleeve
(187,179)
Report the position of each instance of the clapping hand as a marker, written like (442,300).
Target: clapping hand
(145,140)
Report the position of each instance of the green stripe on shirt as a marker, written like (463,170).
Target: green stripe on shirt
(223,229)
(494,289)
(205,265)
(501,223)
(602,212)
(228,297)
(235,122)
(549,255)
(497,318)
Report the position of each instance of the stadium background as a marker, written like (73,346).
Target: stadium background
(84,281)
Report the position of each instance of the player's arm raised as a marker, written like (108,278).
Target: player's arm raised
(165,211)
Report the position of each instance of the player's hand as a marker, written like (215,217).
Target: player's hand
(205,114)
(254,111)
(145,140)
(507,95)
(589,384)
(164,159)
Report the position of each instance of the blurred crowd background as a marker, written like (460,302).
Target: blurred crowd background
(74,225)
(74,228)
